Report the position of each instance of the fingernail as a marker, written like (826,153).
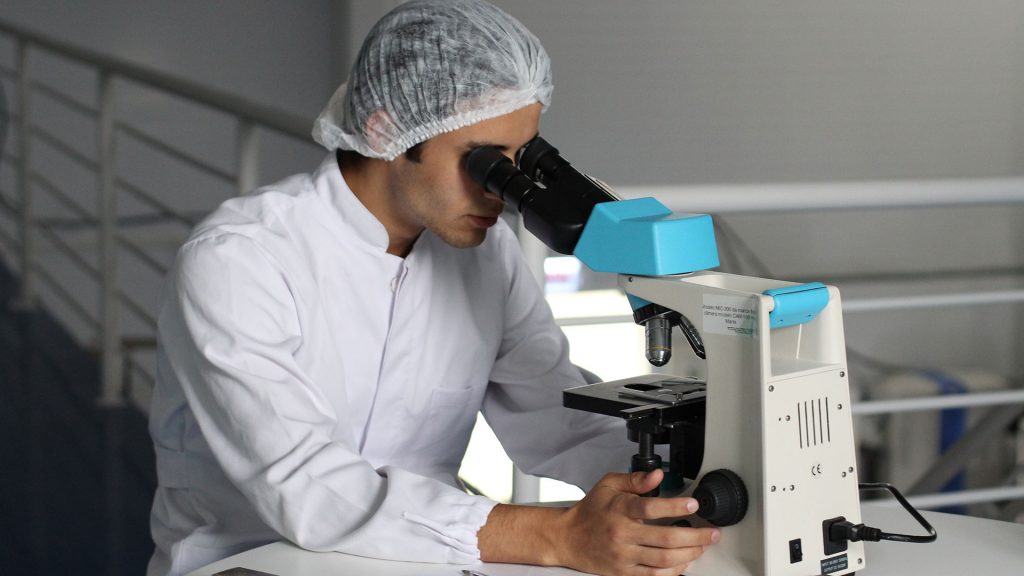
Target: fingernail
(692,506)
(716,535)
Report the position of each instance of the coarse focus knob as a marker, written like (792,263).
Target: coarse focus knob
(722,497)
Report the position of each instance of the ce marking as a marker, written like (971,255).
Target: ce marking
(816,470)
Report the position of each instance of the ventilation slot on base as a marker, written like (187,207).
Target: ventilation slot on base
(812,418)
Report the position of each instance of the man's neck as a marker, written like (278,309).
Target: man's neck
(368,178)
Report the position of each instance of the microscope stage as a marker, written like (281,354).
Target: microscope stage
(637,397)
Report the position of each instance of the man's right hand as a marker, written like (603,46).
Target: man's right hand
(604,533)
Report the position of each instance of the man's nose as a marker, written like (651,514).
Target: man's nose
(490,195)
(484,191)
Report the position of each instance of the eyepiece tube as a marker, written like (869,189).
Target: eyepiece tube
(556,218)
(538,157)
(554,199)
(498,175)
(541,161)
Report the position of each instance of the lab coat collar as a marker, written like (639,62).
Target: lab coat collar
(332,187)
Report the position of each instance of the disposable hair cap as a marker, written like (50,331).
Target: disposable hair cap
(430,67)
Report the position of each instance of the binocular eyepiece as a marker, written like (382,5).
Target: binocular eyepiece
(556,201)
(554,198)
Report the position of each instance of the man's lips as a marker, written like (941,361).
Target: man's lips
(483,221)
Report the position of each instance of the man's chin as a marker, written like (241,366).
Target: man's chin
(470,239)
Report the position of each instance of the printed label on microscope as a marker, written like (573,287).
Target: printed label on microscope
(729,315)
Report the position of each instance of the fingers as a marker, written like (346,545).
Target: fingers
(649,571)
(643,508)
(634,482)
(675,536)
(667,557)
(663,562)
(615,538)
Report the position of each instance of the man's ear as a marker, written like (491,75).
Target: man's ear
(380,131)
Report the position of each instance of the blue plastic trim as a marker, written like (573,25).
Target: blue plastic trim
(641,236)
(636,302)
(797,304)
(952,425)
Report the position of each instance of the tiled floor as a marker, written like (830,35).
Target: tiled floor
(76,480)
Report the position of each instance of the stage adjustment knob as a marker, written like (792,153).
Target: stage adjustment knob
(722,497)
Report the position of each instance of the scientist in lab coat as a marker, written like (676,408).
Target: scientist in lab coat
(326,342)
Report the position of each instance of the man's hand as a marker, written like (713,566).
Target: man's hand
(604,533)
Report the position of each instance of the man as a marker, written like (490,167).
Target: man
(326,342)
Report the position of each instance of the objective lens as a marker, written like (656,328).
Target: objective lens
(659,340)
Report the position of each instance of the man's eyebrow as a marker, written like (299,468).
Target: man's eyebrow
(478,144)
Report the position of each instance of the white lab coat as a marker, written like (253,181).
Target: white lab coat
(312,387)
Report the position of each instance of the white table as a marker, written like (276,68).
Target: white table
(966,547)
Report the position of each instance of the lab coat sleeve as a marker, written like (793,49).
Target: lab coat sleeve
(229,326)
(523,404)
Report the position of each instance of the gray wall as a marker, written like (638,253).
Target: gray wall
(676,93)
(277,53)
(669,92)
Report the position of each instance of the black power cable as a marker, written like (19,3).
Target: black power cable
(847,531)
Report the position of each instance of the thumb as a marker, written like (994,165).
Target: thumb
(634,482)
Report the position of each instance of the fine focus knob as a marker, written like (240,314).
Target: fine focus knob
(722,497)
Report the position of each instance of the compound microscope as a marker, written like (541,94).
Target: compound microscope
(765,442)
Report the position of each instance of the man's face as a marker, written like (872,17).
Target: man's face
(436,193)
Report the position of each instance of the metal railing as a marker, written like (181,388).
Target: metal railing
(816,196)
(113,76)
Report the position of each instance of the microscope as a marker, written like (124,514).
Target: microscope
(764,441)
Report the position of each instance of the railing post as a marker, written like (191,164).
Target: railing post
(110,331)
(526,488)
(534,252)
(248,173)
(26,252)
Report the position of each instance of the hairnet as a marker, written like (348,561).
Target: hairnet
(430,67)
